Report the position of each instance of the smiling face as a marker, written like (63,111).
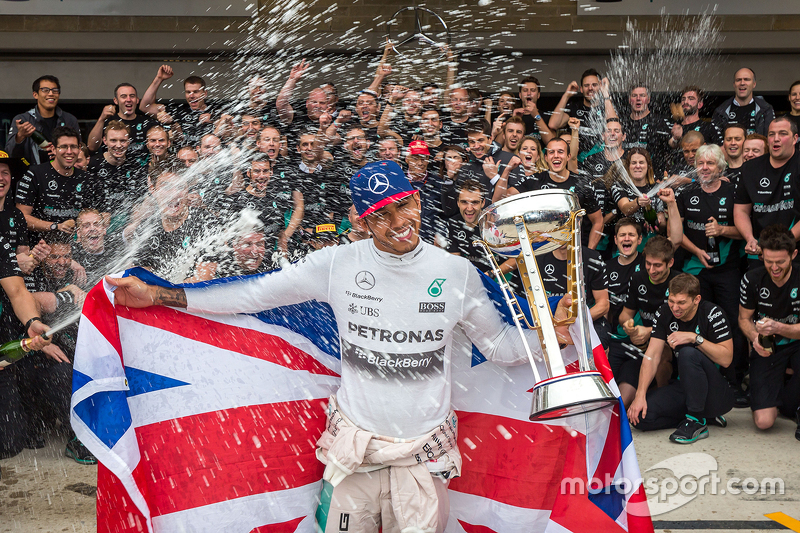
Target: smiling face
(557,155)
(366,108)
(117,143)
(316,104)
(158,142)
(794,98)
(56,265)
(5,180)
(170,191)
(689,150)
(249,250)
(589,87)
(250,127)
(47,96)
(707,170)
(478,143)
(210,145)
(388,150)
(91,231)
(356,145)
(260,174)
(657,268)
(529,153)
(67,150)
(126,100)
(733,142)
(470,204)
(778,263)
(412,104)
(514,134)
(507,103)
(627,240)
(430,123)
(753,148)
(613,136)
(395,227)
(195,95)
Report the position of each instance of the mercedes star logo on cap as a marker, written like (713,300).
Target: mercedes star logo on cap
(378,183)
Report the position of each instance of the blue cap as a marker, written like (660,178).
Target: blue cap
(377,185)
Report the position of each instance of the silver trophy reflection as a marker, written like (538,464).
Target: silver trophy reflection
(521,227)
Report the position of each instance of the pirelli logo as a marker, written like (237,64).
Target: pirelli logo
(431,307)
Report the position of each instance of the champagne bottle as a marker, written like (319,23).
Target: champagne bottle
(39,139)
(13,351)
(767,342)
(712,249)
(651,216)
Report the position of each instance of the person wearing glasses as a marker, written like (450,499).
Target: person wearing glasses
(45,117)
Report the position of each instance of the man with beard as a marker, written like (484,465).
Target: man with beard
(123,110)
(767,192)
(768,310)
(193,118)
(699,334)
(732,144)
(51,195)
(691,104)
(752,112)
(45,117)
(593,108)
(646,129)
(513,133)
(559,177)
(710,236)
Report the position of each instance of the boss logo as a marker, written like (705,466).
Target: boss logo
(431,307)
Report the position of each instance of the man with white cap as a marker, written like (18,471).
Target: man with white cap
(394,398)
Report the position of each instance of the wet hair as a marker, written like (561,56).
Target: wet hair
(777,237)
(529,79)
(685,284)
(792,123)
(471,186)
(64,131)
(121,85)
(628,221)
(589,72)
(713,151)
(429,85)
(541,166)
(58,237)
(479,126)
(637,85)
(162,168)
(261,158)
(453,148)
(430,110)
(117,125)
(757,137)
(47,77)
(694,89)
(158,127)
(194,80)
(659,247)
(333,86)
(85,212)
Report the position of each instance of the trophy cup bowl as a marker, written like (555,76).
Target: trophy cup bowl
(522,227)
(547,215)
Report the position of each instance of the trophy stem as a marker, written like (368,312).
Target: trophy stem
(578,292)
(513,305)
(539,305)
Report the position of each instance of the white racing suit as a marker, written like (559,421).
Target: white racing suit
(396,316)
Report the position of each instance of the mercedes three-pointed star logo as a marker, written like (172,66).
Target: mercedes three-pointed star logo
(423,35)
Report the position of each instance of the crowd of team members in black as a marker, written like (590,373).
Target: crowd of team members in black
(154,183)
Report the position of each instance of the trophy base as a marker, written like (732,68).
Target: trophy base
(570,394)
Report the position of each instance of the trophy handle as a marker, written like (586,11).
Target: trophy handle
(511,301)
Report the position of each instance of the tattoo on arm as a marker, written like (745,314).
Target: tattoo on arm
(170,297)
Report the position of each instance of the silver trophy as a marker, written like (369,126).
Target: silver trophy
(521,227)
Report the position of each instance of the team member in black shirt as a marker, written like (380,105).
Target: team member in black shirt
(51,195)
(645,129)
(91,250)
(123,109)
(559,177)
(700,336)
(647,292)
(620,269)
(768,189)
(769,315)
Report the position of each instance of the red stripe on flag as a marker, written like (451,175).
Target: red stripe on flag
(212,457)
(116,512)
(240,340)
(601,363)
(639,520)
(284,527)
(524,470)
(611,457)
(470,528)
(98,310)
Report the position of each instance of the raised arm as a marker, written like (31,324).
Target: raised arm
(282,102)
(148,102)
(559,116)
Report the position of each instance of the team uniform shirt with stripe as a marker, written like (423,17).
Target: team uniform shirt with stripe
(782,304)
(709,321)
(396,316)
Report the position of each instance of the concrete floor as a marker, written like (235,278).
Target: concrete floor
(43,491)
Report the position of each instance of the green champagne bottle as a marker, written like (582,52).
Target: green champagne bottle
(13,351)
(39,139)
(651,216)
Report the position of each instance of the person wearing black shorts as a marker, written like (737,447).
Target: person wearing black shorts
(700,336)
(769,310)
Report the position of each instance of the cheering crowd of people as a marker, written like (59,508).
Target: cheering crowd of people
(682,215)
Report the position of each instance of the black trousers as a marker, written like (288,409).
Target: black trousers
(702,391)
(722,288)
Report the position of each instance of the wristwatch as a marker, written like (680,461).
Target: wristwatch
(537,117)
(53,226)
(698,340)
